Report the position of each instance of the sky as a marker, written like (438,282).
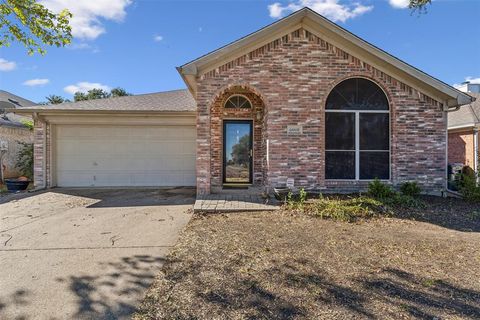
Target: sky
(136,44)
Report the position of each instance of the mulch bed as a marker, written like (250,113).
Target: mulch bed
(280,265)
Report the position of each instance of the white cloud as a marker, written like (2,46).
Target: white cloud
(335,10)
(36,82)
(157,38)
(87,14)
(399,4)
(469,79)
(6,65)
(84,86)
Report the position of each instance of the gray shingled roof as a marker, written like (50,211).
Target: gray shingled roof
(16,100)
(468,115)
(174,101)
(10,119)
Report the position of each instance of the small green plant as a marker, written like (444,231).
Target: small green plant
(24,161)
(410,188)
(302,198)
(380,190)
(297,202)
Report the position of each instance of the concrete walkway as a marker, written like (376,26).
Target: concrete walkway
(234,203)
(85,254)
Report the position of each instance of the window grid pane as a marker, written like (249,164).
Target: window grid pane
(362,117)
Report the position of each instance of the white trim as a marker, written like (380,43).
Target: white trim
(475,150)
(238,95)
(463,126)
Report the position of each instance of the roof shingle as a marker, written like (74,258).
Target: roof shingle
(173,101)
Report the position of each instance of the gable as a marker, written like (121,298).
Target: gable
(331,37)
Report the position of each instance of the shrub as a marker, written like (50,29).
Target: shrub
(469,188)
(410,189)
(379,190)
(25,159)
(389,197)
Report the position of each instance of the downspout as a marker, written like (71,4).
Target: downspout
(475,152)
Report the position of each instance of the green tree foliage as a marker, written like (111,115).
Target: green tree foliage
(119,92)
(99,94)
(54,99)
(33,25)
(25,159)
(419,4)
(241,151)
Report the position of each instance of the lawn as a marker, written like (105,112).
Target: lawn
(417,263)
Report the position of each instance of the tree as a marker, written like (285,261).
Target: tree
(54,99)
(33,25)
(241,151)
(100,94)
(119,92)
(419,4)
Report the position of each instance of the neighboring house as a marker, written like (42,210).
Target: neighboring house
(463,140)
(301,99)
(13,130)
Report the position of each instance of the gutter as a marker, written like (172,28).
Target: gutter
(475,151)
(30,111)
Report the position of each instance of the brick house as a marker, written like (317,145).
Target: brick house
(301,101)
(463,142)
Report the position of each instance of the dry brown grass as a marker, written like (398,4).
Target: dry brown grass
(292,266)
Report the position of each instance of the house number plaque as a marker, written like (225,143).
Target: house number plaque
(294,130)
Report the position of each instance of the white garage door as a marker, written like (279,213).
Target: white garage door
(107,156)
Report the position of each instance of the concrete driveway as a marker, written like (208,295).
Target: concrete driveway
(85,254)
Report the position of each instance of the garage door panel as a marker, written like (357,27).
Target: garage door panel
(125,156)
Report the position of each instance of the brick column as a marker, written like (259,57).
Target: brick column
(203,147)
(39,132)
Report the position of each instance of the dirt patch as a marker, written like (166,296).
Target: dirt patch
(285,266)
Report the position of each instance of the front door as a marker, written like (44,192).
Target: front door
(237,151)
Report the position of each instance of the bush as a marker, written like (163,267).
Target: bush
(410,189)
(25,159)
(379,190)
(389,197)
(348,210)
(469,188)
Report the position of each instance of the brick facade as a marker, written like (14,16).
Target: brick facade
(290,79)
(461,147)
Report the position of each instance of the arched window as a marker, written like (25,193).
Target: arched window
(357,132)
(238,101)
